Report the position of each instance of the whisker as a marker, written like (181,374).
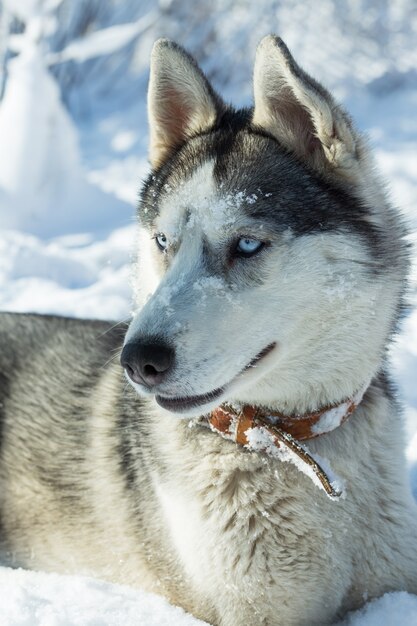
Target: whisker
(113,358)
(120,323)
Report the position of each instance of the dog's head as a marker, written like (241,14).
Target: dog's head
(270,265)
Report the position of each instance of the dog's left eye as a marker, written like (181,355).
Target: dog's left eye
(248,247)
(161,241)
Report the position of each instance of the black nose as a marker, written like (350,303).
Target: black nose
(147,362)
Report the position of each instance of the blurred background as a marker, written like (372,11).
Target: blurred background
(73,129)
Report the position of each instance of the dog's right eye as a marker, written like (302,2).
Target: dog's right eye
(161,241)
(247,247)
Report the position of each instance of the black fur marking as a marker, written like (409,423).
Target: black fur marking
(187,157)
(387,385)
(4,394)
(133,444)
(127,436)
(301,201)
(289,195)
(7,367)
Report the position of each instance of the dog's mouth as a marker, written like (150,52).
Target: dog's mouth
(179,405)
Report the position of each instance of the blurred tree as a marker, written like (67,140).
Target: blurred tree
(41,177)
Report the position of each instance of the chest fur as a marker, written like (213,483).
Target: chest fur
(247,544)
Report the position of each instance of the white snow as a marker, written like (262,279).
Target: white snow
(332,418)
(68,185)
(39,599)
(44,188)
(261,440)
(393,609)
(72,275)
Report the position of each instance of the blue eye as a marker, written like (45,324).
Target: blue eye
(161,241)
(248,247)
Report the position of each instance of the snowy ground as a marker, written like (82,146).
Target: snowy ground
(77,261)
(39,599)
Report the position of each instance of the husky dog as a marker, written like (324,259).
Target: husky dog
(270,275)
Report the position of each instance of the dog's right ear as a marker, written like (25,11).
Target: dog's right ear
(181,101)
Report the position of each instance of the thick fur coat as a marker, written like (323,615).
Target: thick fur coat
(261,228)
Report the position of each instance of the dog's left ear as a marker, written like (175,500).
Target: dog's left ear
(300,113)
(181,101)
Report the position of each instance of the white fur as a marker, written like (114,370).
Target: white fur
(260,544)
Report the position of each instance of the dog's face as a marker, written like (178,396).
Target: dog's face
(264,276)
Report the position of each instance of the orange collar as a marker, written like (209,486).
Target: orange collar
(278,435)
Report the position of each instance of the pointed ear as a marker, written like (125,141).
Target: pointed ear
(300,113)
(181,101)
